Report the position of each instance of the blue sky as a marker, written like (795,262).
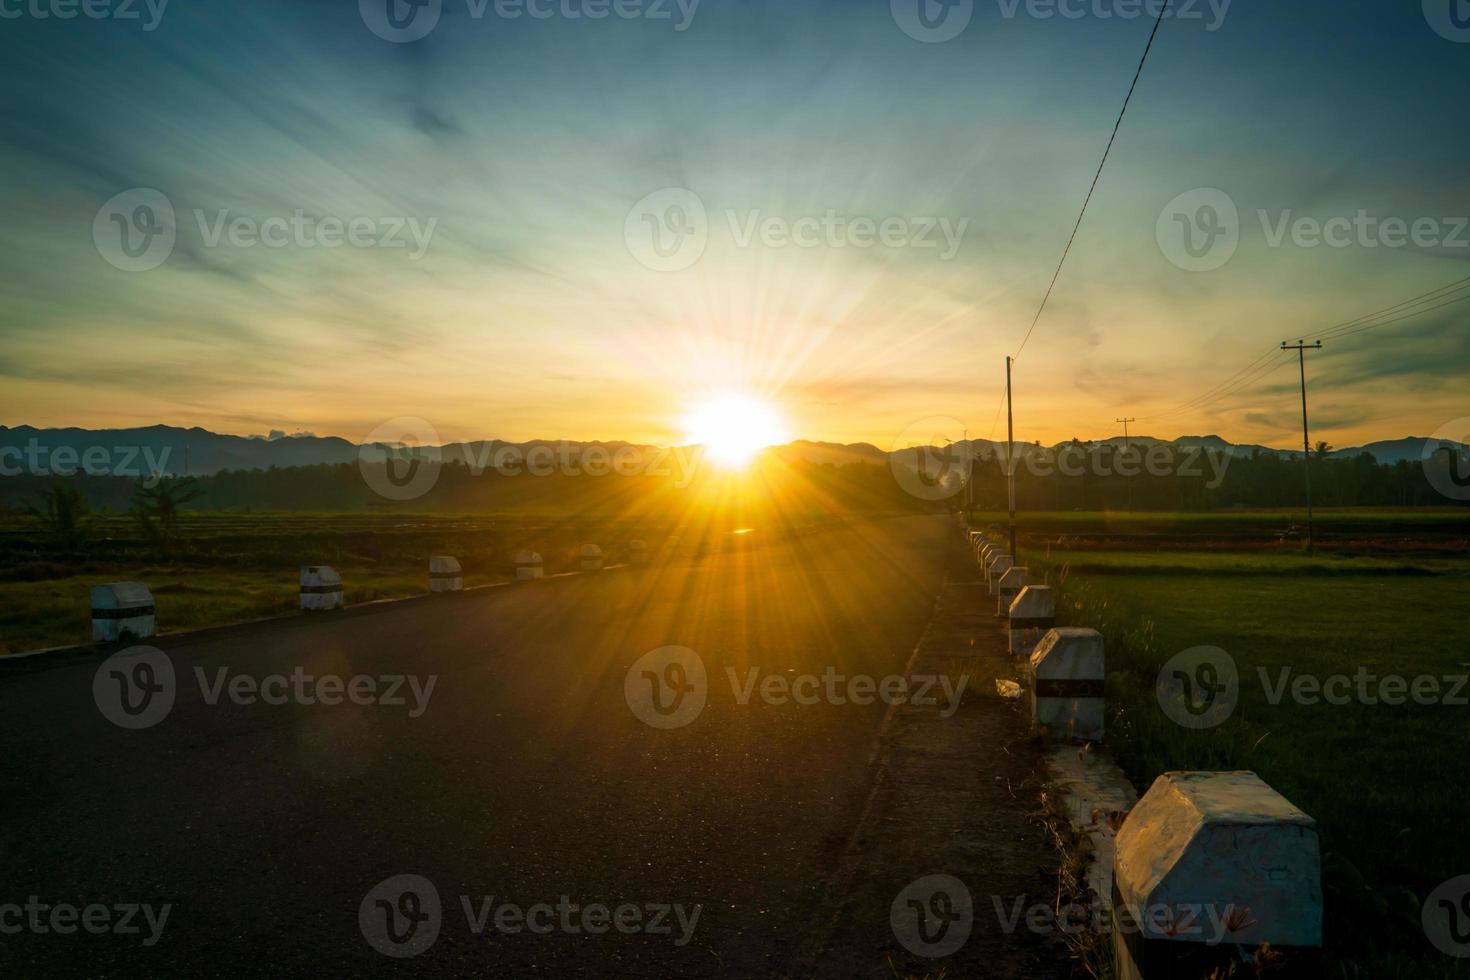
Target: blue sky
(520,149)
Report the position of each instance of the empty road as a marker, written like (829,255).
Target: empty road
(495,755)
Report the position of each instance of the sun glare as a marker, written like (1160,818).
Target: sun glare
(733,428)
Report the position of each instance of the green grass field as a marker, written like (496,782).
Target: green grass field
(231,568)
(1386,783)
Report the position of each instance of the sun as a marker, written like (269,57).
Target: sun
(733,428)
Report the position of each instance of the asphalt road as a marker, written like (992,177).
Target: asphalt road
(524,779)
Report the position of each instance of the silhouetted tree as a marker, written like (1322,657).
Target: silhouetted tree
(156,509)
(65,513)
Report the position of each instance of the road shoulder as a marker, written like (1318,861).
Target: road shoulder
(955,796)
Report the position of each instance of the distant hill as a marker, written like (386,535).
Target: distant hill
(174,451)
(824,453)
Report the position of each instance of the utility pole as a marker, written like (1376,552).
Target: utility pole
(1301,347)
(1129,486)
(969,477)
(1011,462)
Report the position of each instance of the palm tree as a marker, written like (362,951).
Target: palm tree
(156,509)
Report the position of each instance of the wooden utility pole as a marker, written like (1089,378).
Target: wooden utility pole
(1128,485)
(969,477)
(1011,463)
(1301,348)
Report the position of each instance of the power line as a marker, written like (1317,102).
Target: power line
(1433,294)
(1258,370)
(1406,316)
(1095,178)
(996,421)
(1204,395)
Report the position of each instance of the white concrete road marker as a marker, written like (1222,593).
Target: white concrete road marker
(1066,672)
(1209,866)
(529,566)
(121,610)
(1032,614)
(995,567)
(1008,587)
(321,587)
(589,558)
(445,575)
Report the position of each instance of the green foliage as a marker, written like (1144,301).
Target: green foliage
(156,510)
(65,514)
(1385,782)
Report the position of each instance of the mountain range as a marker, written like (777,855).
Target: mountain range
(173,450)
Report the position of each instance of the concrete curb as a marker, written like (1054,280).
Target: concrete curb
(1090,786)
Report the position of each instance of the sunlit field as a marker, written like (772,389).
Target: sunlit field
(232,568)
(1385,782)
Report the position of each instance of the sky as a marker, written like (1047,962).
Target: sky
(569,226)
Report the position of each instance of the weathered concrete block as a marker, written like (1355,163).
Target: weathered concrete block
(445,574)
(121,610)
(528,566)
(589,558)
(1067,672)
(321,587)
(1032,614)
(997,566)
(1209,864)
(1008,586)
